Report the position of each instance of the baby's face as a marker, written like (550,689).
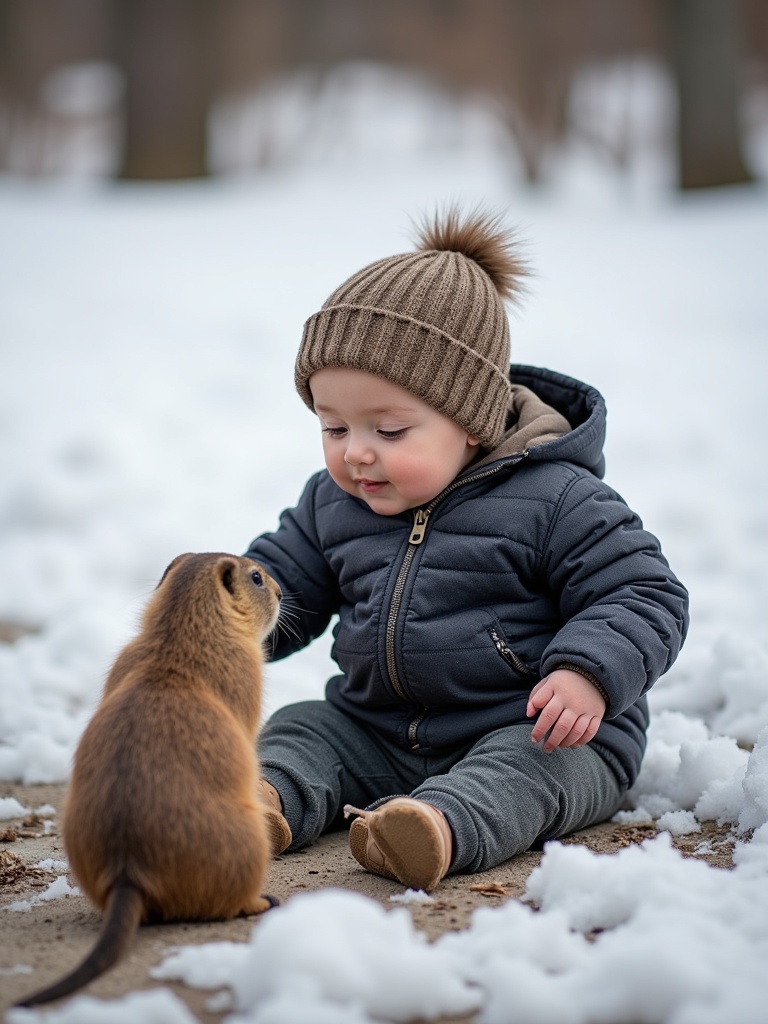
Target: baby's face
(383,444)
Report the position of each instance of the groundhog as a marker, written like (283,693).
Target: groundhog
(162,819)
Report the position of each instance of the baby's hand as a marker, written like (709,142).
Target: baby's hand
(570,706)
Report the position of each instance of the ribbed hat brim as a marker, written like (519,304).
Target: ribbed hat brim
(418,356)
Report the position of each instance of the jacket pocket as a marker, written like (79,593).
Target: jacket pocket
(506,652)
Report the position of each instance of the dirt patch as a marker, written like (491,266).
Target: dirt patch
(13,871)
(33,826)
(713,844)
(38,946)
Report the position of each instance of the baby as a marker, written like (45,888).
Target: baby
(482,573)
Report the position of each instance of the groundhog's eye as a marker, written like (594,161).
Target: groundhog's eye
(257,578)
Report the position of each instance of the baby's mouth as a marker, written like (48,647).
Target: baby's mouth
(371,486)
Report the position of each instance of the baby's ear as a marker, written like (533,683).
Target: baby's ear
(473,442)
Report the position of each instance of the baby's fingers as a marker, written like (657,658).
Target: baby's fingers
(581,732)
(547,720)
(560,731)
(593,724)
(539,697)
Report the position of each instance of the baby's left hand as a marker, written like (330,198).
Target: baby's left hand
(570,706)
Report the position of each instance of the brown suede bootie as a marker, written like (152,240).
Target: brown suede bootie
(278,829)
(404,839)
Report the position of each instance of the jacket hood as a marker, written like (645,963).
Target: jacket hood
(554,417)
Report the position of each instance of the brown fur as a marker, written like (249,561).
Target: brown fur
(162,820)
(481,237)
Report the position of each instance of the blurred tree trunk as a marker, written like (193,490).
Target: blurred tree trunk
(543,44)
(23,66)
(705,54)
(164,48)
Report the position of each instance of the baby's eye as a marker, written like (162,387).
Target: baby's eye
(392,435)
(335,431)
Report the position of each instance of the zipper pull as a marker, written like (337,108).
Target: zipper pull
(420,518)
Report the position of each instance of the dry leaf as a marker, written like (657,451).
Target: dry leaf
(491,889)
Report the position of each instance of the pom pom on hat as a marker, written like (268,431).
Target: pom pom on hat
(483,238)
(432,321)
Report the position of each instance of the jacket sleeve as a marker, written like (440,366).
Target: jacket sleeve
(294,556)
(625,614)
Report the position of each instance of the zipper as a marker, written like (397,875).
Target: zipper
(394,608)
(509,655)
(420,520)
(413,729)
(416,537)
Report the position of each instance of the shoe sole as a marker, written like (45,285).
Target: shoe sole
(411,844)
(278,831)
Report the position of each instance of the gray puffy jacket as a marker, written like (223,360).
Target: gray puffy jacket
(449,614)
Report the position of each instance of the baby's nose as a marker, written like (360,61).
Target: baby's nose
(358,452)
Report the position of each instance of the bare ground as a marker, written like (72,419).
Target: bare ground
(53,936)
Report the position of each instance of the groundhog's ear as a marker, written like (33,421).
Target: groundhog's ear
(173,564)
(226,568)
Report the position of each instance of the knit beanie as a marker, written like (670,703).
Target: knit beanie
(432,321)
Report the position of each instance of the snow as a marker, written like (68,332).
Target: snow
(677,941)
(157,1007)
(412,896)
(11,808)
(57,889)
(50,864)
(327,948)
(147,338)
(754,809)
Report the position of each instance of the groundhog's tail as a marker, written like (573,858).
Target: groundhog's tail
(122,917)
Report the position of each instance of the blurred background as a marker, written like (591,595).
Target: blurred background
(185,89)
(183,182)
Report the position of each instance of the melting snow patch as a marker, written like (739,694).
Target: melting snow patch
(208,966)
(52,865)
(412,896)
(11,808)
(56,890)
(754,811)
(687,769)
(331,956)
(160,1006)
(679,823)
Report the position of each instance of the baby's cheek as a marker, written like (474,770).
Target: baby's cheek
(415,475)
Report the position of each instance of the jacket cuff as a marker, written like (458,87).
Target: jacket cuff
(587,675)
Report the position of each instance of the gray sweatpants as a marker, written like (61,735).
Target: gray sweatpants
(501,794)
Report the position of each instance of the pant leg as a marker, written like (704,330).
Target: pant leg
(506,794)
(318,759)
